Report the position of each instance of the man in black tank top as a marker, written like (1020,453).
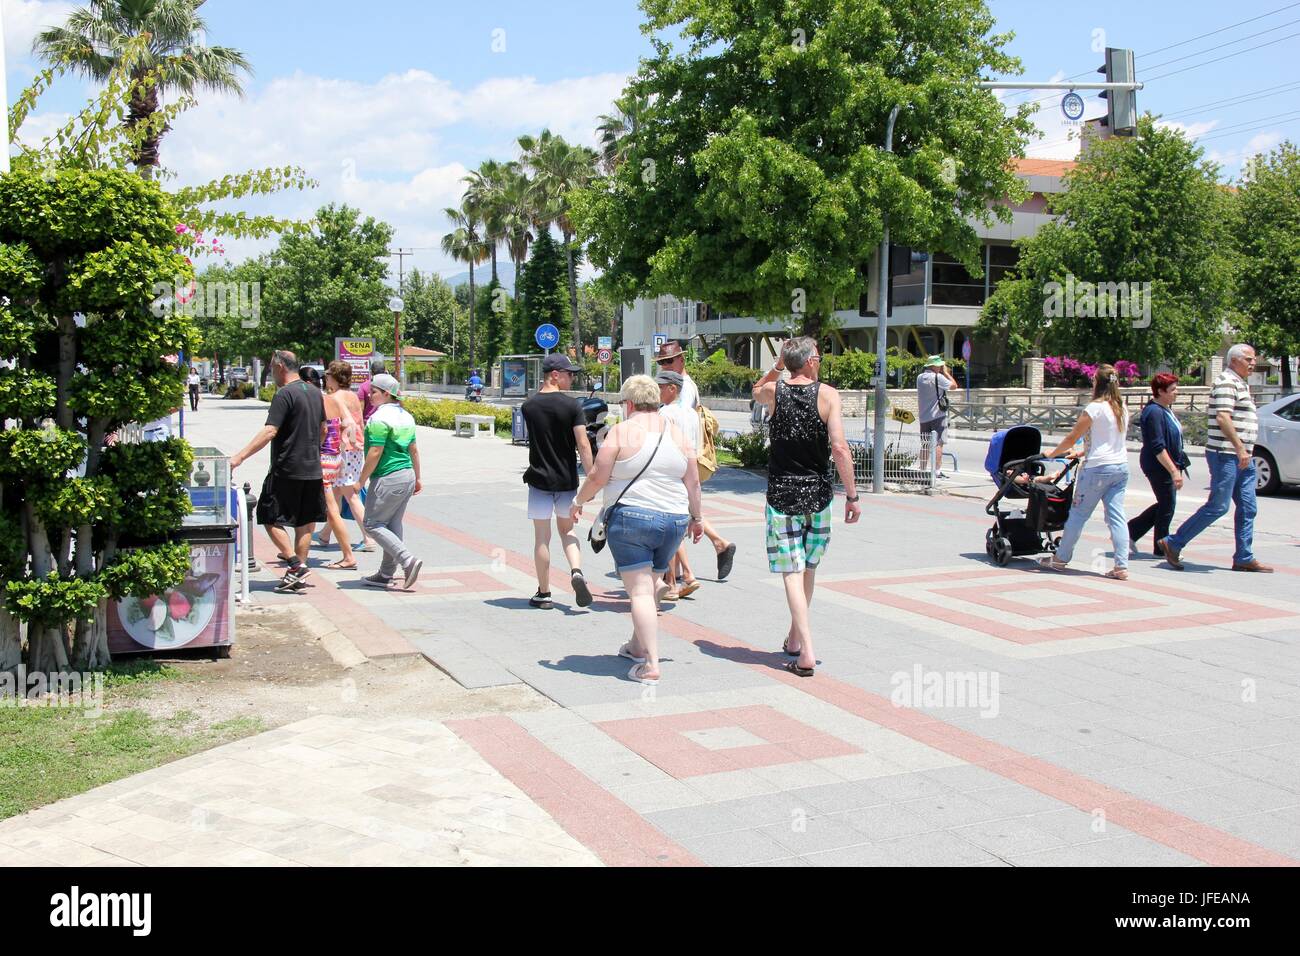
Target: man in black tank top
(806,431)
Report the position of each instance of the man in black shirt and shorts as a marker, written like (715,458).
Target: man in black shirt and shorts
(557,435)
(293,495)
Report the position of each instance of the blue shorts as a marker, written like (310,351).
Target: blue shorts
(643,538)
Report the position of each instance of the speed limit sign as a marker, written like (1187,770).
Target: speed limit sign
(605,356)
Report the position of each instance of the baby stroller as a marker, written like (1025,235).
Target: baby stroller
(1034,526)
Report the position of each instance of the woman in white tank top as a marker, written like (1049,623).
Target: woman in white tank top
(652,488)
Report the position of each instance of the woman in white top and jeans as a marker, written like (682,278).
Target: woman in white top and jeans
(1104,477)
(654,512)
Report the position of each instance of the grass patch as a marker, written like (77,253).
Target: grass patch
(47,754)
(727,459)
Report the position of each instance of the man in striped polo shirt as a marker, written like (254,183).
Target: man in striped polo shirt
(1229,457)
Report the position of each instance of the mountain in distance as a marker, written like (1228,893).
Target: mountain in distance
(483,275)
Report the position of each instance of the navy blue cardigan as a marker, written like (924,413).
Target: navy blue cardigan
(1159,434)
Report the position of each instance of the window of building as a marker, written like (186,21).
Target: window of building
(953,284)
(1001,263)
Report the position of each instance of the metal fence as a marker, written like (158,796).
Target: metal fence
(909,460)
(983,416)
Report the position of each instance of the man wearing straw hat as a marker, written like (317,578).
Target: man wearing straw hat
(932,405)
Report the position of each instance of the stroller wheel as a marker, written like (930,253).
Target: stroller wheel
(1001,552)
(989,537)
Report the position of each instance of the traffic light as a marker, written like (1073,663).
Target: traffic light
(1121,105)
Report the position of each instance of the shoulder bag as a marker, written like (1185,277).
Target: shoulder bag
(596,536)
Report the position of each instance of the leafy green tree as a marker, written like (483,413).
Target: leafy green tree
(597,315)
(495,319)
(430,311)
(95,243)
(94,38)
(326,283)
(757,181)
(1267,230)
(1141,210)
(543,293)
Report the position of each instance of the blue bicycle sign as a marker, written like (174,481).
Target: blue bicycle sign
(548,336)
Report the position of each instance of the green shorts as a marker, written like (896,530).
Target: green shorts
(796,542)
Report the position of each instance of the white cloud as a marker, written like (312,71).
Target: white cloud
(397,149)
(23,19)
(1233,159)
(1190,130)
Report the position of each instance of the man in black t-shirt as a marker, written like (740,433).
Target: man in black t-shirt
(293,495)
(557,435)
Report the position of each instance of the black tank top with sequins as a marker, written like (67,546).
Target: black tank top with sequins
(799,463)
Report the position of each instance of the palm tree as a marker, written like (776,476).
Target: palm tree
(485,196)
(94,38)
(617,130)
(465,244)
(517,218)
(557,169)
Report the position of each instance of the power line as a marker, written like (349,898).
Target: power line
(1219,131)
(1220,46)
(1220,30)
(1229,56)
(1268,91)
(1238,132)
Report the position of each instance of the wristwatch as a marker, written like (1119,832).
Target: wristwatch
(852,500)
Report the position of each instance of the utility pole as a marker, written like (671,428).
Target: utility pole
(401,266)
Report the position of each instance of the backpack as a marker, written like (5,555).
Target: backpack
(707,463)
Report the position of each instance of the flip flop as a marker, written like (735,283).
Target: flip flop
(794,668)
(625,651)
(635,674)
(689,588)
(341,565)
(785,646)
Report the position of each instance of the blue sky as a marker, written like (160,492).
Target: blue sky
(388,104)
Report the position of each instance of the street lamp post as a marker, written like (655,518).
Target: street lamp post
(882,332)
(395,305)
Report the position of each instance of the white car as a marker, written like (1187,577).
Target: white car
(1277,450)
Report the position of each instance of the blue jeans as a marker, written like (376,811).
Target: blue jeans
(1228,485)
(1104,485)
(643,537)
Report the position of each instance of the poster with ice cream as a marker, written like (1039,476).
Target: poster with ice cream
(195,614)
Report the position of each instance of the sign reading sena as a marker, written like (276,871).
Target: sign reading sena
(359,346)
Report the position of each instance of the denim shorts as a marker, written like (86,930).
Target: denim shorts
(643,538)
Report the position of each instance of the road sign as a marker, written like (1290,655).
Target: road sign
(548,336)
(1072,107)
(605,342)
(659,340)
(965,351)
(605,356)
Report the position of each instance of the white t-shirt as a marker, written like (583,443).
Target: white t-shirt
(1106,437)
(690,394)
(194,378)
(685,419)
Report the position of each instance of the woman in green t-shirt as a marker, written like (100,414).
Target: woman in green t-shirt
(393,469)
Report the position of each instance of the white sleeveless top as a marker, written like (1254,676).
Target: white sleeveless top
(660,488)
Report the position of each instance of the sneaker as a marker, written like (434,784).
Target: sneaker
(726,557)
(376,580)
(580,589)
(1172,554)
(1252,565)
(541,599)
(298,572)
(412,573)
(290,585)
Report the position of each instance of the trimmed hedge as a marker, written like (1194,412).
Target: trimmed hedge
(267,393)
(441,413)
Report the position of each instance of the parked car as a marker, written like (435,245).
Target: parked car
(237,374)
(1277,450)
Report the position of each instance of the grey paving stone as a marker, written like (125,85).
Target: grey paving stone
(940,848)
(1009,837)
(1014,799)
(695,821)
(770,808)
(1133,850)
(834,797)
(864,854)
(901,787)
(948,810)
(815,835)
(736,848)
(886,822)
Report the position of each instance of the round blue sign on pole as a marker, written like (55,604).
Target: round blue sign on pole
(1072,106)
(548,336)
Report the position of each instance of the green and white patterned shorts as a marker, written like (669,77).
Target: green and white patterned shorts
(796,542)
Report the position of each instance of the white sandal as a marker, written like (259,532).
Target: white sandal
(1051,564)
(1119,574)
(634,674)
(626,651)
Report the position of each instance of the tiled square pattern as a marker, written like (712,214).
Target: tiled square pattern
(715,741)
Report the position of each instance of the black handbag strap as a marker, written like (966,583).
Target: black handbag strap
(643,468)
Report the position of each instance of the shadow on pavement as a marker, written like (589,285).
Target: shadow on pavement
(593,665)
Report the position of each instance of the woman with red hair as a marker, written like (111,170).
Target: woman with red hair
(1163,461)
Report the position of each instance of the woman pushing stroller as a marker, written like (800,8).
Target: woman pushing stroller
(1104,476)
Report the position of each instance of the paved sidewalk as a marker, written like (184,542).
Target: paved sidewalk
(962,714)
